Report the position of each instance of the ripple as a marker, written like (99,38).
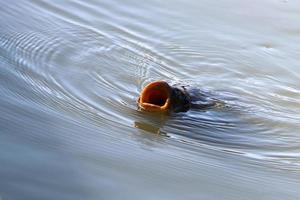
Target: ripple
(94,73)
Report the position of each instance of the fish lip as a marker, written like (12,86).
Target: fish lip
(153,107)
(144,101)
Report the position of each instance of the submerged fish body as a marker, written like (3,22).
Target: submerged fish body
(159,96)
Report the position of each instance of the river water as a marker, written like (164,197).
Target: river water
(71,72)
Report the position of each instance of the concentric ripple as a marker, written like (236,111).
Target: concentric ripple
(82,71)
(84,63)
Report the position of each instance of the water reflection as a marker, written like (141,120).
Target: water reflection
(152,122)
(71,72)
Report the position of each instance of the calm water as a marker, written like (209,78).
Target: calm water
(70,74)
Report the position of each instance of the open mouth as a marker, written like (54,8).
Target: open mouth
(155,96)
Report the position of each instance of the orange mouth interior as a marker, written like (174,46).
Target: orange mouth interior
(155,96)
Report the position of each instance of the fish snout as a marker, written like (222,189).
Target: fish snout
(156,97)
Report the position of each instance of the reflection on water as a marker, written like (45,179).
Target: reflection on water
(70,74)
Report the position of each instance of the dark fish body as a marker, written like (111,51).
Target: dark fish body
(160,96)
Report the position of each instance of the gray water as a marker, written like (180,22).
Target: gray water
(70,74)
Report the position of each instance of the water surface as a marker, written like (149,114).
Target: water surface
(70,74)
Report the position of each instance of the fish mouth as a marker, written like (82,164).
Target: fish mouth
(155,97)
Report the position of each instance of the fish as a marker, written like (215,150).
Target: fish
(160,96)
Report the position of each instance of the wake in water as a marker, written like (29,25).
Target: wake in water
(221,120)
